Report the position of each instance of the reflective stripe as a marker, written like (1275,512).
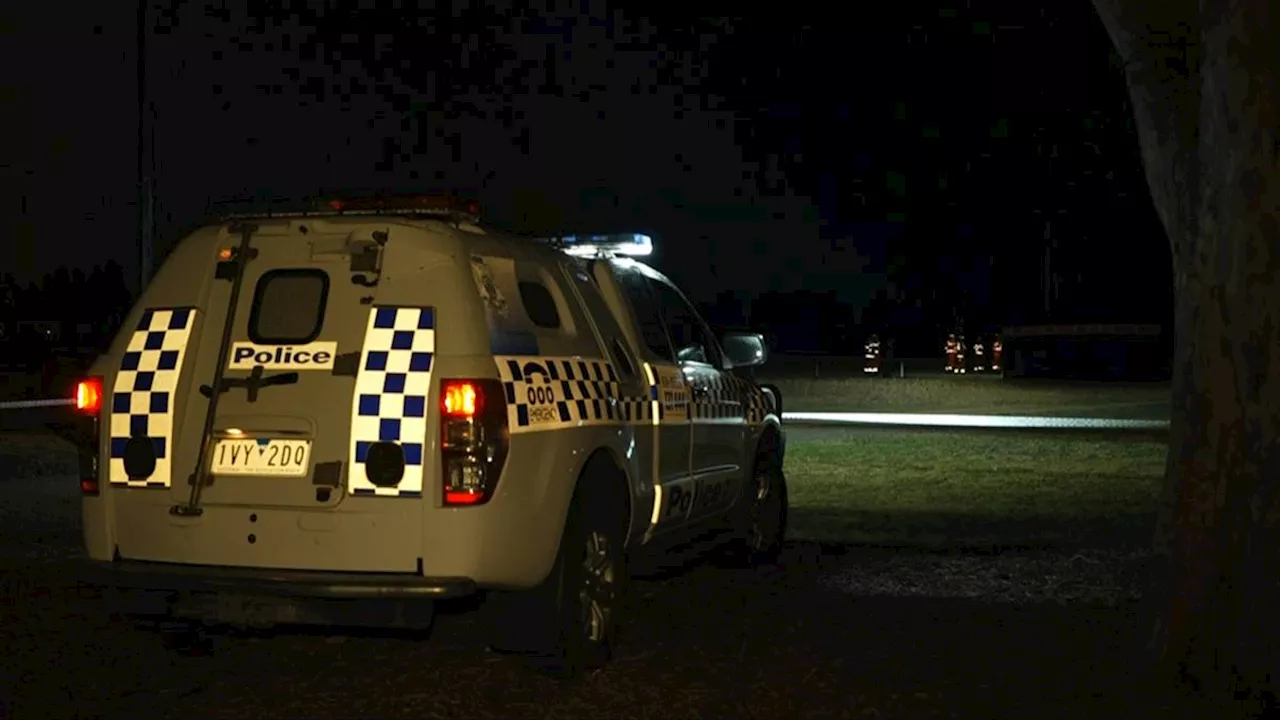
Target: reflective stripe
(392,387)
(142,397)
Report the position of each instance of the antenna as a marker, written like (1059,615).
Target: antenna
(146,159)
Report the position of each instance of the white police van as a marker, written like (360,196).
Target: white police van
(380,400)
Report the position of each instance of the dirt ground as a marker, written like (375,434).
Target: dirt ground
(836,632)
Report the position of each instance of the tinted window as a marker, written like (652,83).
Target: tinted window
(642,300)
(539,305)
(620,358)
(288,307)
(689,334)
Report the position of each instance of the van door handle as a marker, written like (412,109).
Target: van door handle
(252,384)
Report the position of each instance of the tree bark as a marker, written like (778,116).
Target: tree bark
(1208,129)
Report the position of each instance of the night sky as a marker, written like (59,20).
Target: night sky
(910,160)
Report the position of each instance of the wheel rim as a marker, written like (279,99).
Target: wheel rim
(764,520)
(599,587)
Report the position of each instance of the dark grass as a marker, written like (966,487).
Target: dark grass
(835,631)
(932,489)
(710,642)
(29,453)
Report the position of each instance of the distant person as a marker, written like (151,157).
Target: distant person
(997,351)
(871,356)
(979,355)
(953,354)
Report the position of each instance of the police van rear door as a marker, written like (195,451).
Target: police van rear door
(281,435)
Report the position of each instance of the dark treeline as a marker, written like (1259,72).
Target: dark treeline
(67,307)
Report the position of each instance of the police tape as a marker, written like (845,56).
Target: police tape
(972,421)
(853,418)
(29,404)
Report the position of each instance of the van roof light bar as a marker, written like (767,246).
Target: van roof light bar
(604,245)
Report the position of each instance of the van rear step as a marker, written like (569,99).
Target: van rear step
(174,577)
(194,612)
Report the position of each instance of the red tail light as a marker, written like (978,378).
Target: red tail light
(87,433)
(461,400)
(473,439)
(89,396)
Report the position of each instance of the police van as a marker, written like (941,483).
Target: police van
(345,413)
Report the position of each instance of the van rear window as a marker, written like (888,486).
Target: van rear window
(288,306)
(539,305)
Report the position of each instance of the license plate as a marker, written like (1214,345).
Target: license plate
(261,457)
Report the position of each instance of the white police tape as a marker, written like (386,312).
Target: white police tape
(854,418)
(972,421)
(28,404)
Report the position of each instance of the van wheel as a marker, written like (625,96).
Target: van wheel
(568,624)
(764,514)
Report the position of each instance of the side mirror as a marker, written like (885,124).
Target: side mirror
(744,349)
(693,353)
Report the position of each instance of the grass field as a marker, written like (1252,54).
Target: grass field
(25,455)
(924,488)
(933,489)
(977,395)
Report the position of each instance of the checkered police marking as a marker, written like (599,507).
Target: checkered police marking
(550,393)
(390,399)
(142,395)
(753,398)
(730,398)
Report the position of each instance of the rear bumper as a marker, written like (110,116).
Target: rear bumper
(298,584)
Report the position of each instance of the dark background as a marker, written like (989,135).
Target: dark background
(899,168)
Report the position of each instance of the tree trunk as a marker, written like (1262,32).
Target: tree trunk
(1208,123)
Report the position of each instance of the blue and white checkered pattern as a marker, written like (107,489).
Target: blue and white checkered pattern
(730,398)
(142,396)
(753,398)
(545,393)
(390,400)
(637,410)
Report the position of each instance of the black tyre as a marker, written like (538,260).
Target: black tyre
(569,623)
(764,513)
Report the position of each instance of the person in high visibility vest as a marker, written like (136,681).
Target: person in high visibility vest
(979,355)
(871,356)
(997,349)
(953,354)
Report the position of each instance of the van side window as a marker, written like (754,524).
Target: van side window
(621,359)
(539,304)
(642,300)
(692,338)
(288,306)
